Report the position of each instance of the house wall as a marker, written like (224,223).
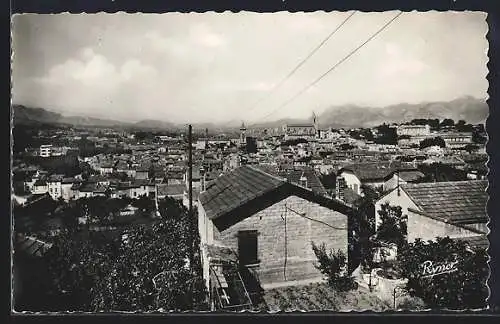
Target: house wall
(55,190)
(426,228)
(40,189)
(352,181)
(403,200)
(299,256)
(67,193)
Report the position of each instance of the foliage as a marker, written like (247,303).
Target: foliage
(346,146)
(386,135)
(462,126)
(293,142)
(361,134)
(442,172)
(433,123)
(433,141)
(363,226)
(462,289)
(334,266)
(105,271)
(393,226)
(447,122)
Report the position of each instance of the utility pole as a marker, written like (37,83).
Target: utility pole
(190,212)
(190,166)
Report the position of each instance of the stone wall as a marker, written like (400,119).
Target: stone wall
(426,228)
(300,232)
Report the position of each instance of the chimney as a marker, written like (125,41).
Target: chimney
(303,180)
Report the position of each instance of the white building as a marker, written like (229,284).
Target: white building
(46,150)
(414,130)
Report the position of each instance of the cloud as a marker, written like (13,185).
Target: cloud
(202,35)
(398,64)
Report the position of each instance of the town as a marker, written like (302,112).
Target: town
(150,220)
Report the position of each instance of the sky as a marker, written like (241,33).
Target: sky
(215,67)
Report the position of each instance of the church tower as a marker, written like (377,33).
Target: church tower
(243,138)
(316,125)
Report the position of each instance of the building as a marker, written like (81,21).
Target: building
(269,224)
(46,150)
(457,140)
(54,185)
(243,138)
(299,131)
(373,174)
(414,130)
(455,208)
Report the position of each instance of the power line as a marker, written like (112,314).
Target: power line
(335,66)
(278,85)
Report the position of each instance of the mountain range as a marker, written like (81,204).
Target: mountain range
(470,109)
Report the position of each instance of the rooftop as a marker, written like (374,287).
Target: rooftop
(235,188)
(371,170)
(459,202)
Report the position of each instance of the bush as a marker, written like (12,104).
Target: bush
(334,265)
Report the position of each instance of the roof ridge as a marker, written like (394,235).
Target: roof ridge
(268,174)
(442,182)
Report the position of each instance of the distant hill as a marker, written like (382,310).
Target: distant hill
(470,109)
(31,116)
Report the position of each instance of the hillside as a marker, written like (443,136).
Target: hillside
(470,109)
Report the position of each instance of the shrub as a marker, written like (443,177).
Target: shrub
(334,265)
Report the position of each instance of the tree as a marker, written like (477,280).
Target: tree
(464,288)
(433,141)
(447,122)
(393,226)
(386,135)
(105,271)
(334,266)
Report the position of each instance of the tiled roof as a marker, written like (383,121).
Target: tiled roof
(235,188)
(371,171)
(294,174)
(171,190)
(411,175)
(55,178)
(68,180)
(458,202)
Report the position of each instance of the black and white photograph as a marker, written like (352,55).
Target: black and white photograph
(249,162)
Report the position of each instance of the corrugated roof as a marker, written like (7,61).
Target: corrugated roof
(458,202)
(235,188)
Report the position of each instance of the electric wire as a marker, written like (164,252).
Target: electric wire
(334,66)
(292,72)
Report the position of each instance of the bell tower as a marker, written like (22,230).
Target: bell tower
(243,138)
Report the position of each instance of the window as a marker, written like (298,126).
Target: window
(247,247)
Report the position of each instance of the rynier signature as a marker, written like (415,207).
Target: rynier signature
(431,269)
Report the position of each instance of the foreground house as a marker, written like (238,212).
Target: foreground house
(456,209)
(268,223)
